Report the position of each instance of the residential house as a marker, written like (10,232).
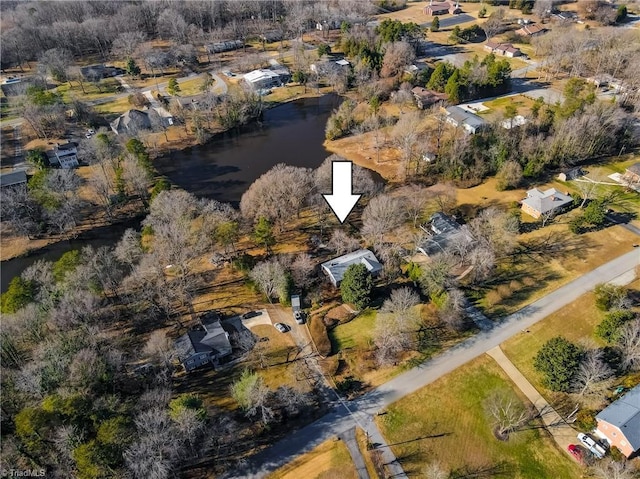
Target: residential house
(131,122)
(336,267)
(531,30)
(425,98)
(100,71)
(442,230)
(330,66)
(263,78)
(270,37)
(64,156)
(15,178)
(442,8)
(632,175)
(538,203)
(504,49)
(571,174)
(619,423)
(471,122)
(206,345)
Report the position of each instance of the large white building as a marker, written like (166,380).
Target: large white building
(263,78)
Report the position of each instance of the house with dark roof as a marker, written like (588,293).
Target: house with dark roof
(15,178)
(206,345)
(64,156)
(425,98)
(99,71)
(131,122)
(551,201)
(442,231)
(619,423)
(471,122)
(335,268)
(632,175)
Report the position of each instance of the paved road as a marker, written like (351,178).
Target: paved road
(446,22)
(363,409)
(349,438)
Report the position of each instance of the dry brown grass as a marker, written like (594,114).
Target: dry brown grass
(330,460)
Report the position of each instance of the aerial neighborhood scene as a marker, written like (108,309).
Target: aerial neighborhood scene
(325,239)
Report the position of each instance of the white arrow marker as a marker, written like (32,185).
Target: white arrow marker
(341,200)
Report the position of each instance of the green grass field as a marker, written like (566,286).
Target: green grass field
(446,422)
(576,322)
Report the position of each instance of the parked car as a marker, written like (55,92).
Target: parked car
(283,328)
(576,452)
(299,317)
(592,445)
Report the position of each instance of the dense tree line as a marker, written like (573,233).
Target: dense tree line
(83,28)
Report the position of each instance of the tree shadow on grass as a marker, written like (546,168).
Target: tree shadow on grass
(502,469)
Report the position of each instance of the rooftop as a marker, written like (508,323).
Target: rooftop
(443,230)
(13,178)
(337,266)
(464,117)
(262,74)
(625,415)
(545,201)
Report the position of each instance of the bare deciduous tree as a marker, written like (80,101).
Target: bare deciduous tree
(396,325)
(342,243)
(397,56)
(270,277)
(381,216)
(278,195)
(629,345)
(506,412)
(302,270)
(593,374)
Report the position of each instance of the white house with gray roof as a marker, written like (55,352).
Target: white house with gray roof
(471,123)
(619,423)
(336,267)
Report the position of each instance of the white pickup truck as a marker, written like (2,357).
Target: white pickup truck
(592,445)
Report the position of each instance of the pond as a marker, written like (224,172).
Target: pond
(222,169)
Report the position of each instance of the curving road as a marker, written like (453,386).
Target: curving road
(361,411)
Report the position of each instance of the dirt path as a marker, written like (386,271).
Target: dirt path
(562,433)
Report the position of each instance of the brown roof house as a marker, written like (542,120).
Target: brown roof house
(442,8)
(619,423)
(504,49)
(425,98)
(632,175)
(530,30)
(538,203)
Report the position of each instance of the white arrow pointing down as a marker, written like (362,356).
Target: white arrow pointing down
(341,200)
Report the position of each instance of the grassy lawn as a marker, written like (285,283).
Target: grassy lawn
(497,106)
(193,86)
(116,106)
(576,322)
(108,87)
(446,423)
(330,460)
